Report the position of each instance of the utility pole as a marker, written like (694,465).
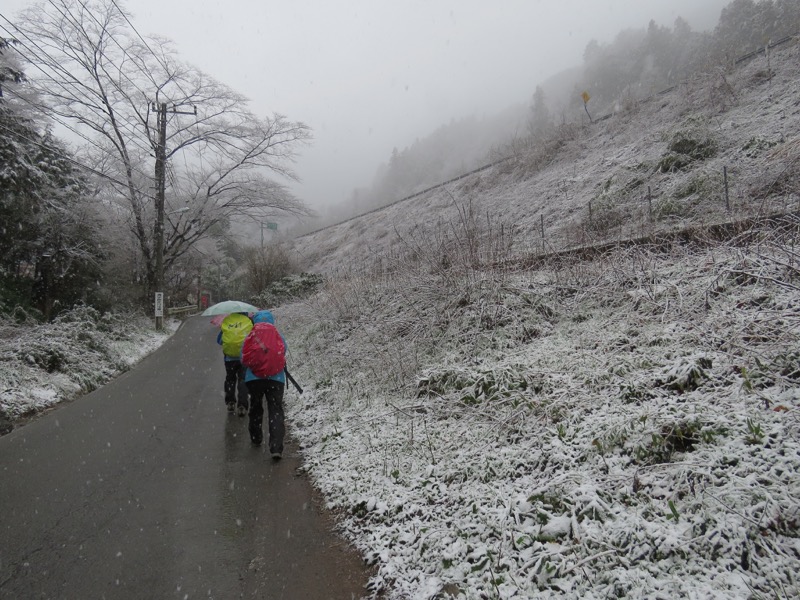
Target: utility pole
(161,169)
(161,184)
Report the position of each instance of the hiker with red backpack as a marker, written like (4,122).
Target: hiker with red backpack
(233,330)
(264,360)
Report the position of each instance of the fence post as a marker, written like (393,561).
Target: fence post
(541,227)
(725,180)
(649,204)
(590,214)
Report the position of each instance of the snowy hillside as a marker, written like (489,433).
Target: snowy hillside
(745,120)
(621,427)
(626,426)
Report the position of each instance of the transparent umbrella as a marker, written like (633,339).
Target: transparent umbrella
(229,306)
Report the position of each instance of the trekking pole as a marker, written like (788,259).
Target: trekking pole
(294,383)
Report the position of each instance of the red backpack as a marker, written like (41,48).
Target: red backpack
(263,351)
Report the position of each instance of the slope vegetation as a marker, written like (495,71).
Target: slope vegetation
(622,426)
(718,147)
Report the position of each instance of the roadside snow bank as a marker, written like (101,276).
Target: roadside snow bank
(44,364)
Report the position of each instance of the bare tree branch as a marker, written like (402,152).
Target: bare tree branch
(93,70)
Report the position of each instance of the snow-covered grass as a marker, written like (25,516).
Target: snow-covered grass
(44,364)
(621,426)
(625,427)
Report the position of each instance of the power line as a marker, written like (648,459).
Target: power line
(74,82)
(78,133)
(144,41)
(107,32)
(76,87)
(79,87)
(111,37)
(69,16)
(61,151)
(51,63)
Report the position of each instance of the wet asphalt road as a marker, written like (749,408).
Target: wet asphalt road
(148,488)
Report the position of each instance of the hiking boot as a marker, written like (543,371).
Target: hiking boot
(230,406)
(256,440)
(277,455)
(242,411)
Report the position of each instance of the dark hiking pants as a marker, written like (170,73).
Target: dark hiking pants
(234,378)
(271,391)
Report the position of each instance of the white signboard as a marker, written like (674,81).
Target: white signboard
(159,304)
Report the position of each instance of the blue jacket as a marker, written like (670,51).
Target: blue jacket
(264,316)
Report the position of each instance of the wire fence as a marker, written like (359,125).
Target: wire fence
(726,207)
(596,219)
(725,203)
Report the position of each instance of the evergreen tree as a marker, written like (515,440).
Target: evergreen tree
(49,249)
(9,71)
(539,122)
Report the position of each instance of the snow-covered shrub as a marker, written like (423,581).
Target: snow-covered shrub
(290,287)
(756,145)
(692,143)
(618,450)
(80,350)
(512,383)
(686,374)
(681,437)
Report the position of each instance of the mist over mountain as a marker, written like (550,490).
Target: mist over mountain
(636,64)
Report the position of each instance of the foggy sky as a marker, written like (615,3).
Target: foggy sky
(371,75)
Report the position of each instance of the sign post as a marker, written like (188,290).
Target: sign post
(267,225)
(159,310)
(586,97)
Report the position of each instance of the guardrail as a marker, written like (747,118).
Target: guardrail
(182,312)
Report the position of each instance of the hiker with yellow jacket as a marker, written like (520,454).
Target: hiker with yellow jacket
(233,329)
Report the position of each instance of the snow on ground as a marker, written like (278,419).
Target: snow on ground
(44,364)
(623,428)
(744,121)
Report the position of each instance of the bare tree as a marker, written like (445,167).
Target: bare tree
(266,265)
(98,76)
